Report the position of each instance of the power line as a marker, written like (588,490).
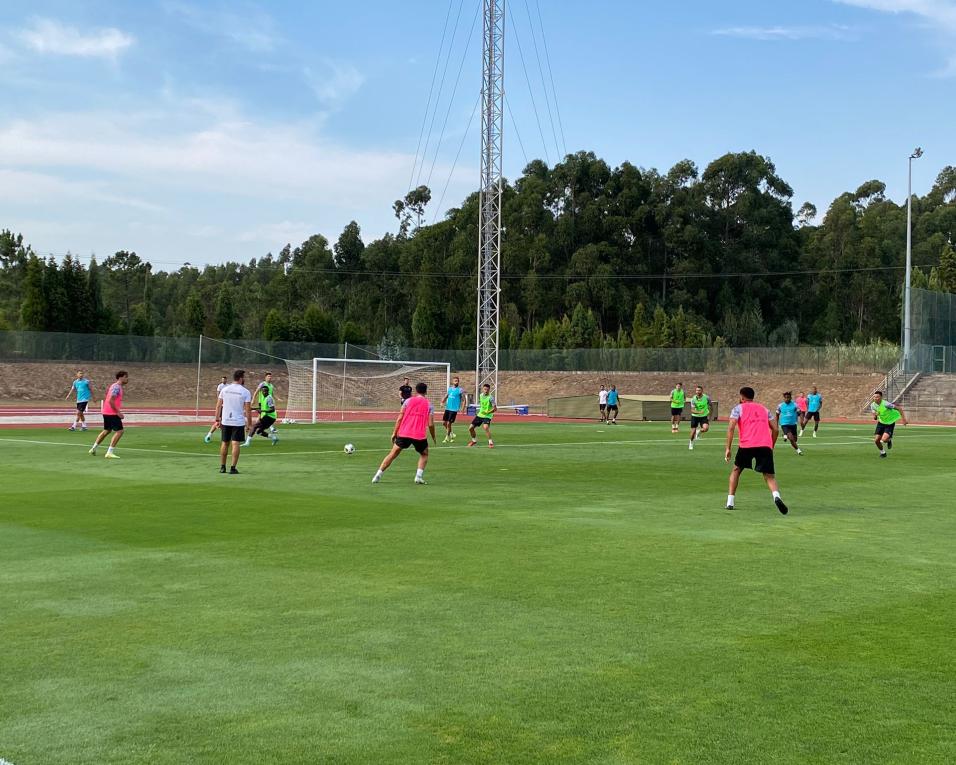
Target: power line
(537,117)
(431,89)
(547,58)
(544,85)
(454,164)
(441,85)
(451,100)
(552,277)
(514,124)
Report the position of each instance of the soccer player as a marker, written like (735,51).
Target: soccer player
(414,423)
(699,414)
(233,415)
(886,416)
(405,390)
(266,407)
(83,389)
(787,416)
(602,403)
(112,410)
(677,407)
(215,425)
(486,411)
(612,399)
(758,435)
(267,384)
(452,401)
(814,403)
(802,409)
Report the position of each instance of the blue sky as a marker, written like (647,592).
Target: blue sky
(210,131)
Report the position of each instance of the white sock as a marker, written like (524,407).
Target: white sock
(109,450)
(776,495)
(420,473)
(378,473)
(730,499)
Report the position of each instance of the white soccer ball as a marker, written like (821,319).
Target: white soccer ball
(350,448)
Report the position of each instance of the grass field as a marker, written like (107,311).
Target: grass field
(579,594)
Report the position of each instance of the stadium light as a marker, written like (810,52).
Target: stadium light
(907,328)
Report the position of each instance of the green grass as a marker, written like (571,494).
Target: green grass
(579,594)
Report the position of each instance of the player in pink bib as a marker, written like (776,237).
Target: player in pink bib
(758,435)
(112,410)
(412,427)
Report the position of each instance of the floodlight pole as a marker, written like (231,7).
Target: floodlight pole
(490,194)
(907,286)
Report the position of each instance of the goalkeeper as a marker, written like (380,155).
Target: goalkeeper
(265,404)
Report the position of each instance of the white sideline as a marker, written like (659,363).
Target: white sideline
(262,452)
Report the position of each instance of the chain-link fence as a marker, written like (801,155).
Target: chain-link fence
(933,319)
(831,359)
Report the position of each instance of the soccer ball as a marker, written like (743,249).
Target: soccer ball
(350,449)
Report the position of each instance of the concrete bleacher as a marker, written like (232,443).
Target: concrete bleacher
(932,398)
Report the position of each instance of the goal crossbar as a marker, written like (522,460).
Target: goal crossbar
(368,387)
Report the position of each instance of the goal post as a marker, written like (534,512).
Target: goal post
(342,386)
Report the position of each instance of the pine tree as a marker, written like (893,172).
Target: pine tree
(33,312)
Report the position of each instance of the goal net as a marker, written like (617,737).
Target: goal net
(339,388)
(308,390)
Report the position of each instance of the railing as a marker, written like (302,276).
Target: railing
(894,385)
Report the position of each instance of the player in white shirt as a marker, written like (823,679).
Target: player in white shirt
(602,403)
(233,415)
(215,425)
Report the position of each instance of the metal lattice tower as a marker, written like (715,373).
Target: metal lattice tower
(489,223)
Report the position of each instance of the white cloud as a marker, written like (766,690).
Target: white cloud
(939,16)
(260,183)
(246,25)
(827,32)
(50,36)
(41,188)
(337,83)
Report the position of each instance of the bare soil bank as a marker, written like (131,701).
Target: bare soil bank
(174,385)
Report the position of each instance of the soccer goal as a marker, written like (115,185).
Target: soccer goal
(318,388)
(339,388)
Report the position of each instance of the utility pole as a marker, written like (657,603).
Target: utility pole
(489,223)
(907,326)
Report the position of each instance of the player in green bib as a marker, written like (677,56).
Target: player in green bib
(677,406)
(486,411)
(699,414)
(265,403)
(886,416)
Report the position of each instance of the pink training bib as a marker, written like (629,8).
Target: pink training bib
(415,423)
(754,424)
(116,391)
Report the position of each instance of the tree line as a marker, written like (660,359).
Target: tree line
(592,256)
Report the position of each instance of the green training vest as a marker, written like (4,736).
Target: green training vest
(700,407)
(884,414)
(485,406)
(265,393)
(677,398)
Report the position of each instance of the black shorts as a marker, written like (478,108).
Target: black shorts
(81,406)
(696,422)
(612,408)
(802,414)
(759,458)
(449,416)
(676,411)
(789,429)
(479,421)
(112,422)
(602,407)
(420,444)
(882,429)
(233,433)
(265,422)
(812,416)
